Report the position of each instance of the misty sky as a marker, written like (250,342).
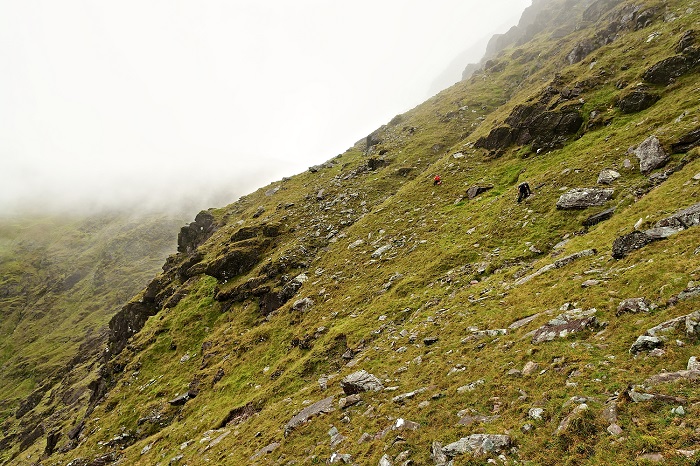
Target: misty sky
(203,101)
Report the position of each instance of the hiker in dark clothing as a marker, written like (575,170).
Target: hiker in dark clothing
(437,180)
(524,191)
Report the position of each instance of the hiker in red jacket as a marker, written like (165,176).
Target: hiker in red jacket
(437,180)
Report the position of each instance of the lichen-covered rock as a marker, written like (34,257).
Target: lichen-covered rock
(478,444)
(625,244)
(684,218)
(360,381)
(651,155)
(582,198)
(574,321)
(607,176)
(633,306)
(645,343)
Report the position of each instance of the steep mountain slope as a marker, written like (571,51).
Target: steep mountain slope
(62,279)
(359,314)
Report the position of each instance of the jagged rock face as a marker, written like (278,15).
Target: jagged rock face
(194,234)
(534,124)
(582,198)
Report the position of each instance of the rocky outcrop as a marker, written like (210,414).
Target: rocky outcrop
(236,261)
(667,70)
(196,233)
(637,100)
(684,218)
(536,125)
(582,198)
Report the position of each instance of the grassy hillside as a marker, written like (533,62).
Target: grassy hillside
(61,279)
(363,264)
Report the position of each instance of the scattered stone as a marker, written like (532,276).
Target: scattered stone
(527,428)
(365,437)
(693,364)
(556,265)
(471,386)
(666,377)
(337,458)
(514,373)
(576,413)
(639,397)
(614,430)
(599,217)
(351,400)
(403,424)
(436,454)
(652,457)
(687,142)
(386,461)
(266,450)
(633,306)
(468,420)
(582,198)
(607,176)
(535,414)
(379,251)
(565,324)
(589,283)
(407,396)
(667,70)
(182,399)
(678,410)
(303,305)
(477,443)
(530,368)
(645,343)
(360,381)
(320,407)
(356,244)
(430,340)
(522,322)
(651,155)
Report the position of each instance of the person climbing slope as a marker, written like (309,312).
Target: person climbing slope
(524,191)
(437,180)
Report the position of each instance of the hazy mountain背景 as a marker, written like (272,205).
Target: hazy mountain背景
(358,313)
